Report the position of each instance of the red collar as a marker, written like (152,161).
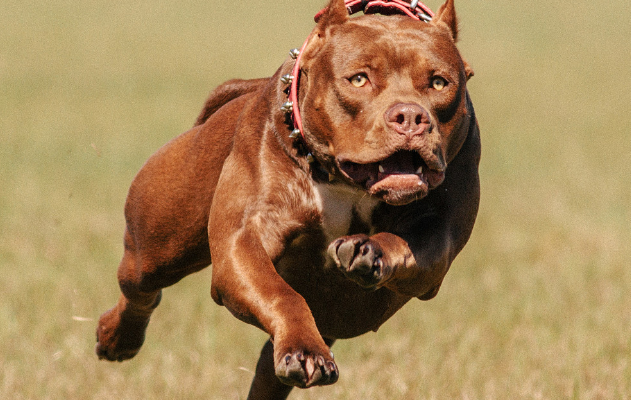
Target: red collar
(414,9)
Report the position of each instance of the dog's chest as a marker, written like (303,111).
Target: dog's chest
(345,210)
(342,211)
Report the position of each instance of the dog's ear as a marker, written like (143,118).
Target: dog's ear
(446,15)
(468,70)
(334,14)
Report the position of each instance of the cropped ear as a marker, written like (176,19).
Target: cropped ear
(468,70)
(446,15)
(334,14)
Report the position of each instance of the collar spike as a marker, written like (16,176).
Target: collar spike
(295,134)
(287,107)
(287,79)
(294,53)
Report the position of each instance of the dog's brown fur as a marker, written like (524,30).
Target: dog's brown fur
(306,258)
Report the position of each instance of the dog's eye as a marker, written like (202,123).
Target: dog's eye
(439,83)
(359,80)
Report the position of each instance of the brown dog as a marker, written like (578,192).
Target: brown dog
(319,237)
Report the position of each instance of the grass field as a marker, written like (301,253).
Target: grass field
(538,306)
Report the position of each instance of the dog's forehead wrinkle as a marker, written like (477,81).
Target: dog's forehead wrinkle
(372,33)
(386,55)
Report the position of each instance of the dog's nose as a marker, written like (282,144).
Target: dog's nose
(408,119)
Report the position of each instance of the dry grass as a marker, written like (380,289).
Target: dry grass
(537,306)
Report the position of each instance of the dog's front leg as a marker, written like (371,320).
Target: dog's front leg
(388,260)
(242,243)
(245,281)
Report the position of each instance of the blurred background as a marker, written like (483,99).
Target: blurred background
(538,305)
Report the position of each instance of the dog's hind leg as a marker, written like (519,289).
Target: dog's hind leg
(166,237)
(265,385)
(121,330)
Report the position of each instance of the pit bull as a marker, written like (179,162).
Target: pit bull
(326,197)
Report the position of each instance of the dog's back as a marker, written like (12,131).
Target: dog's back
(226,92)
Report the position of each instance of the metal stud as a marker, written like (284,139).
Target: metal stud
(295,134)
(424,17)
(294,53)
(286,79)
(413,4)
(287,107)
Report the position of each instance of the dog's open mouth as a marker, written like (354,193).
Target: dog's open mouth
(404,174)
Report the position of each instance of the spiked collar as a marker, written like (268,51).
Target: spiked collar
(414,9)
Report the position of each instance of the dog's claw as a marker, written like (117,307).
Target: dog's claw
(320,361)
(305,371)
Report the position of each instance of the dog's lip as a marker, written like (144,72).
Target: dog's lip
(400,163)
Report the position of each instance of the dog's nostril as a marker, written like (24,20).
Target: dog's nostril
(407,118)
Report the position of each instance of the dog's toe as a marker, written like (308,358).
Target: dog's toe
(119,339)
(105,353)
(359,258)
(298,369)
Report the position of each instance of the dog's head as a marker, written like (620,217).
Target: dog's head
(383,100)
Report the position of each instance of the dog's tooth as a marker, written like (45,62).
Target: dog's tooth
(287,107)
(419,170)
(381,169)
(294,53)
(310,158)
(287,79)
(295,134)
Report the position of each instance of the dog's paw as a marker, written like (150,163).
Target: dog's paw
(302,369)
(359,258)
(119,339)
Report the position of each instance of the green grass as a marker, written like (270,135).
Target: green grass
(537,306)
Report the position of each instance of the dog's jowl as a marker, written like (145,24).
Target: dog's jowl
(325,197)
